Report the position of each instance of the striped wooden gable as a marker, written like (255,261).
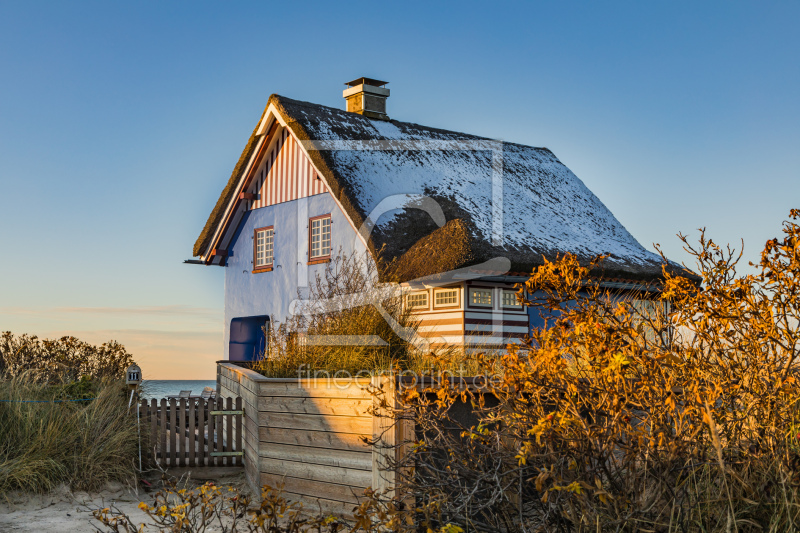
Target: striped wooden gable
(285,174)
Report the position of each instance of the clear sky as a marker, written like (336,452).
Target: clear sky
(120,123)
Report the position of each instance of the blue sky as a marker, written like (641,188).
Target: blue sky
(120,124)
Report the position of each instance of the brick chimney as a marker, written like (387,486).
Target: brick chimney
(367,97)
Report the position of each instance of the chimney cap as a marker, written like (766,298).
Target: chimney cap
(366,81)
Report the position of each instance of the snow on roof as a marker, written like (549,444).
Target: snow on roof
(546,209)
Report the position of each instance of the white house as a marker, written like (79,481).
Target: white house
(464,217)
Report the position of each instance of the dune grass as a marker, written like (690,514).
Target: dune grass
(54,441)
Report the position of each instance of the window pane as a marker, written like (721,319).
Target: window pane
(268,246)
(417,300)
(447,297)
(321,237)
(264,247)
(315,238)
(481,296)
(259,248)
(510,299)
(326,236)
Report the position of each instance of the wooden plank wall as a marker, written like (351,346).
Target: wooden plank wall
(284,174)
(310,435)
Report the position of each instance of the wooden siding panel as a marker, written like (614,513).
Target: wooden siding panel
(315,406)
(320,388)
(358,460)
(286,174)
(328,474)
(320,439)
(335,424)
(313,489)
(441,332)
(317,505)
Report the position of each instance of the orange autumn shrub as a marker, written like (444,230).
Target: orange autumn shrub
(667,411)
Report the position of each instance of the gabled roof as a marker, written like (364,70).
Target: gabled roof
(546,209)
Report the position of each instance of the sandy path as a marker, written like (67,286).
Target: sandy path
(62,511)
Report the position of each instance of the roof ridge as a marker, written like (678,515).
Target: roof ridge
(344,112)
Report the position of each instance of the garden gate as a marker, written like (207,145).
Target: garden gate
(192,431)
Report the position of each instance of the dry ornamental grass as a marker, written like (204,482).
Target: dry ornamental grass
(64,415)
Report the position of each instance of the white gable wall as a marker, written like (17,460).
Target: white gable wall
(271,293)
(290,192)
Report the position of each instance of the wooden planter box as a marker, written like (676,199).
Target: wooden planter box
(314,436)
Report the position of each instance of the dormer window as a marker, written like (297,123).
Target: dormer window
(263,249)
(319,242)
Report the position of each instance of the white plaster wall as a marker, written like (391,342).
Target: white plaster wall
(270,293)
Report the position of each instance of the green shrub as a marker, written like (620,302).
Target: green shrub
(82,389)
(65,359)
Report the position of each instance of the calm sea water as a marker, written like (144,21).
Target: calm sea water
(161,388)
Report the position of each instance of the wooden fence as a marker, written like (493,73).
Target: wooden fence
(193,431)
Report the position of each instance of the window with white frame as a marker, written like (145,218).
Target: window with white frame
(417,300)
(264,247)
(446,297)
(480,297)
(649,309)
(650,315)
(510,299)
(320,237)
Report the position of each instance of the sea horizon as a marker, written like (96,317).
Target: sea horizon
(161,388)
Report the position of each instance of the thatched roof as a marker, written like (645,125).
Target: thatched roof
(228,192)
(546,210)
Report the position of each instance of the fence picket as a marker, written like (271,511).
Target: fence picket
(239,460)
(226,435)
(153,440)
(163,432)
(173,411)
(212,461)
(192,439)
(220,436)
(183,425)
(201,436)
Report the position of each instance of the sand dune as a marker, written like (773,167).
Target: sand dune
(62,511)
